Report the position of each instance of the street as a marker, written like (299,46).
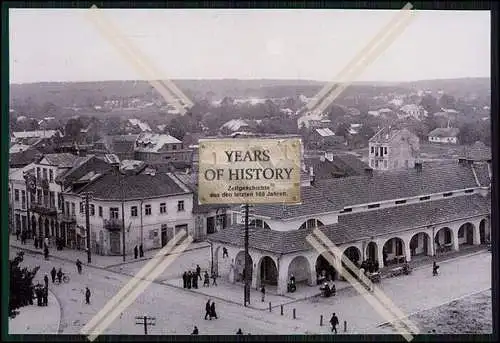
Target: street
(177,311)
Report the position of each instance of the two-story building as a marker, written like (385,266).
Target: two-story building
(393,149)
(18,198)
(149,206)
(155,147)
(387,217)
(446,135)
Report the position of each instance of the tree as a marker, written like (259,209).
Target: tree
(342,130)
(73,128)
(447,101)
(21,284)
(429,103)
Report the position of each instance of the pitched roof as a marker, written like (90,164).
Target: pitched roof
(24,157)
(153,142)
(341,165)
(444,132)
(82,167)
(325,132)
(62,160)
(357,226)
(477,152)
(387,134)
(135,186)
(329,195)
(36,133)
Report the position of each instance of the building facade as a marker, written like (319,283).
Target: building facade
(386,217)
(393,149)
(444,135)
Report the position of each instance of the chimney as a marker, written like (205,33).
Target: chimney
(369,172)
(329,156)
(418,166)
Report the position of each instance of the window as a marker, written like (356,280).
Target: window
(469,191)
(16,195)
(448,194)
(346,210)
(51,175)
(376,164)
(371,150)
(59,201)
(39,196)
(52,199)
(82,207)
(113,213)
(147,210)
(385,150)
(399,202)
(92,209)
(23,198)
(372,163)
(373,205)
(100,211)
(425,198)
(163,208)
(174,147)
(73,208)
(44,173)
(180,205)
(133,211)
(381,151)
(385,163)
(66,207)
(38,176)
(311,223)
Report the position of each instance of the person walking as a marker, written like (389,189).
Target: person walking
(189,279)
(184,279)
(59,275)
(435,268)
(239,332)
(46,252)
(87,296)
(194,280)
(224,252)
(263,293)
(195,331)
(45,296)
(136,252)
(53,273)
(334,321)
(79,266)
(214,279)
(208,310)
(198,271)
(141,251)
(206,281)
(46,280)
(212,310)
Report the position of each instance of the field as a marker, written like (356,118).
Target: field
(469,315)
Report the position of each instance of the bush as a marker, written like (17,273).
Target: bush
(21,285)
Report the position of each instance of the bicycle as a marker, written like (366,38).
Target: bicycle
(65,279)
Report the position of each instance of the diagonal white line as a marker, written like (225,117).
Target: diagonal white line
(143,64)
(379,294)
(139,289)
(375,40)
(377,305)
(145,271)
(364,63)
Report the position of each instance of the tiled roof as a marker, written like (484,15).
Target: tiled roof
(37,133)
(386,135)
(444,132)
(477,152)
(62,160)
(483,173)
(136,186)
(330,195)
(153,142)
(325,132)
(341,166)
(24,157)
(82,167)
(357,226)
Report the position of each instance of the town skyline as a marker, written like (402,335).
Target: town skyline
(276,50)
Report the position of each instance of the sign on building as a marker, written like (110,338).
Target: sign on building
(253,171)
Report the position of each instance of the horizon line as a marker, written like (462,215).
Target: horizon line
(246,79)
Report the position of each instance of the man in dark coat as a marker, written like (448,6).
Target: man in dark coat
(212,310)
(53,273)
(136,252)
(189,279)
(195,280)
(59,275)
(46,253)
(141,251)
(263,293)
(184,279)
(87,295)
(198,271)
(208,310)
(334,321)
(46,280)
(195,331)
(79,266)
(45,296)
(214,279)
(224,252)
(206,281)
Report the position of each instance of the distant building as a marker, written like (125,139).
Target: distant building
(393,149)
(120,145)
(16,136)
(447,135)
(331,165)
(325,137)
(152,147)
(136,126)
(413,111)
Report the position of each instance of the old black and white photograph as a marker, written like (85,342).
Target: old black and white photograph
(249,172)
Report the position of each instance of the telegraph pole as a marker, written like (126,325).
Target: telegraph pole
(88,197)
(123,215)
(146,321)
(247,260)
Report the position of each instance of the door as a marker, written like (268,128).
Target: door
(114,242)
(211,225)
(164,238)
(470,235)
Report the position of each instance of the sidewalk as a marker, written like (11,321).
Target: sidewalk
(38,320)
(98,261)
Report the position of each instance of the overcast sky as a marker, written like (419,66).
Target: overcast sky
(64,45)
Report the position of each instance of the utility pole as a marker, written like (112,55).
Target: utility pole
(88,197)
(145,320)
(123,214)
(247,275)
